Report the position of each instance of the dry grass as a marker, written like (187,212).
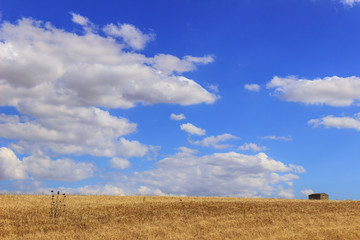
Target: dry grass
(109,217)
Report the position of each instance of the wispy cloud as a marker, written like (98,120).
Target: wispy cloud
(349,2)
(252,87)
(214,88)
(191,129)
(169,64)
(177,117)
(213,141)
(306,192)
(273,137)
(251,146)
(87,25)
(77,18)
(337,122)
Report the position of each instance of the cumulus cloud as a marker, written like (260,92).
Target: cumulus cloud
(333,91)
(186,173)
(119,163)
(337,122)
(177,117)
(66,130)
(131,35)
(38,58)
(349,2)
(252,87)
(10,166)
(220,174)
(42,167)
(251,146)
(213,141)
(273,137)
(61,83)
(191,129)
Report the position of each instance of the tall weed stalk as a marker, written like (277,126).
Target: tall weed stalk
(57,206)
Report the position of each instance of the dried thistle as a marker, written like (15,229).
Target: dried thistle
(57,206)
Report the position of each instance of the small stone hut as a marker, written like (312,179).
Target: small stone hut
(319,196)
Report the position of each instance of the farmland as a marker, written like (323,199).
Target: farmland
(150,217)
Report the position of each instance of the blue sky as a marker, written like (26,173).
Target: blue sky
(203,98)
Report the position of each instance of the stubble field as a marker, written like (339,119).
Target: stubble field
(139,217)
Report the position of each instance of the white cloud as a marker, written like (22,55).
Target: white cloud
(297,169)
(38,58)
(26,186)
(251,146)
(350,2)
(286,193)
(131,35)
(289,138)
(61,82)
(219,174)
(120,163)
(42,167)
(38,187)
(67,130)
(169,64)
(153,152)
(10,166)
(333,91)
(130,148)
(306,192)
(189,128)
(41,58)
(76,18)
(337,122)
(177,117)
(107,189)
(114,189)
(185,173)
(213,141)
(287,178)
(252,87)
(187,151)
(214,87)
(144,190)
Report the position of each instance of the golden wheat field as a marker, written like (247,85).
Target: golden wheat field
(150,217)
